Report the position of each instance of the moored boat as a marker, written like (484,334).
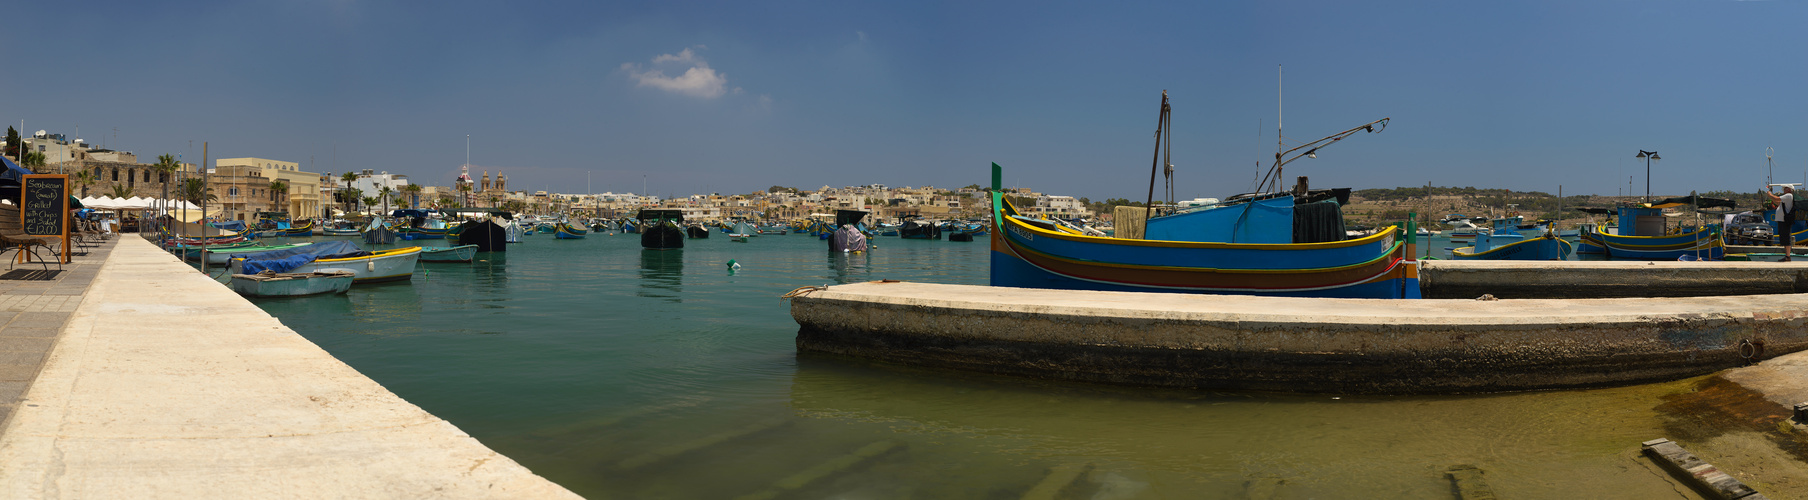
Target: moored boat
(292,284)
(566,231)
(461,253)
(1029,254)
(741,231)
(661,229)
(1644,234)
(396,264)
(1506,243)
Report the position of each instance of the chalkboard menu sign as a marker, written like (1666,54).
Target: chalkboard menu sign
(44,204)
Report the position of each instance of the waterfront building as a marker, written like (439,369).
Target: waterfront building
(243,191)
(303,198)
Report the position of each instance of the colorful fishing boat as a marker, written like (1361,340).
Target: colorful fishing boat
(395,264)
(304,227)
(1033,253)
(1644,234)
(566,231)
(461,253)
(1505,242)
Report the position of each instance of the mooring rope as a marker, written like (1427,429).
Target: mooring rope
(800,291)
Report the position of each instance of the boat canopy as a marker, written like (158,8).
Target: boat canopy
(1691,200)
(674,215)
(409,212)
(334,249)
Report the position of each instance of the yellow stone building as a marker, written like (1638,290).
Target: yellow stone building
(303,199)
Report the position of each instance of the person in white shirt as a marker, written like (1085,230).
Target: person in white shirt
(1785,220)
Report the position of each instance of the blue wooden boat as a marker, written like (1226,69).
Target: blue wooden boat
(1505,242)
(300,228)
(1644,235)
(566,231)
(1033,253)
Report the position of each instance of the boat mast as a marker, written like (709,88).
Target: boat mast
(1279,143)
(1155,167)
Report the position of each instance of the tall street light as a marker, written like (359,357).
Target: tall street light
(1648,156)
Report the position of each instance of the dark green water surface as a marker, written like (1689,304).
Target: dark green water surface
(627,373)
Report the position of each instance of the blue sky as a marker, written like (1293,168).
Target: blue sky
(733,97)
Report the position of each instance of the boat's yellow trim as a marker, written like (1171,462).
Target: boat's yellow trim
(1471,249)
(1001,218)
(377,255)
(1384,255)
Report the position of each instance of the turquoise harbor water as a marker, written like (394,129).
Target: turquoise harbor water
(627,373)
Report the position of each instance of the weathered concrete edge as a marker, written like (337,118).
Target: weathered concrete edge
(1600,279)
(1117,338)
(84,436)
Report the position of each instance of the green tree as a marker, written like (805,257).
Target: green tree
(121,191)
(414,195)
(166,168)
(368,201)
(196,191)
(32,159)
(349,198)
(279,191)
(14,143)
(84,179)
(383,193)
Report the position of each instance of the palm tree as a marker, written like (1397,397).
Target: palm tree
(279,190)
(84,179)
(352,195)
(196,191)
(166,167)
(414,195)
(464,191)
(368,201)
(121,192)
(383,193)
(493,199)
(349,198)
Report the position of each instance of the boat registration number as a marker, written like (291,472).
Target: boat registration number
(1025,233)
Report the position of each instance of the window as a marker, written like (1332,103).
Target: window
(116,174)
(232,191)
(147,175)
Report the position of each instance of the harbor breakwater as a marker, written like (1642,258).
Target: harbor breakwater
(1299,344)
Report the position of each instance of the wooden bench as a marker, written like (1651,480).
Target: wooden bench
(12,232)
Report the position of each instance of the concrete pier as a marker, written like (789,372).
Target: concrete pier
(1468,279)
(1299,344)
(165,384)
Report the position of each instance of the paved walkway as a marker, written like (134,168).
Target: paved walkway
(31,314)
(164,384)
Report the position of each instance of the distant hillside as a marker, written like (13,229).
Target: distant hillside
(1378,206)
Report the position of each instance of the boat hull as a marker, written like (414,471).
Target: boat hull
(569,232)
(291,284)
(1704,243)
(1025,255)
(461,253)
(1539,248)
(388,265)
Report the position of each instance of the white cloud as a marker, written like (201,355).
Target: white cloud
(862,35)
(697,79)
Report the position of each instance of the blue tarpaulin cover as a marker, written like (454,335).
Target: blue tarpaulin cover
(281,265)
(320,250)
(231,225)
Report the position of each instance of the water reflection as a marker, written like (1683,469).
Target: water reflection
(662,274)
(850,267)
(1006,431)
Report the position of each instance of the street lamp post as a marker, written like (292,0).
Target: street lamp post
(1648,156)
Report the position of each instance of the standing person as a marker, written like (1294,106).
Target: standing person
(1785,220)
